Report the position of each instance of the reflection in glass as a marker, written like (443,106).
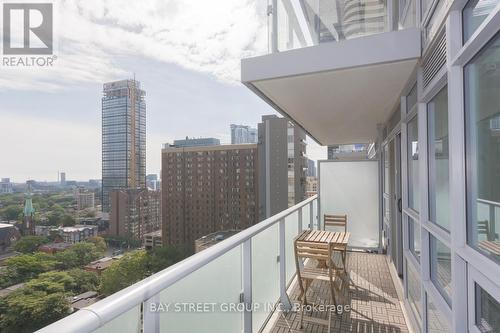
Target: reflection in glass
(482,98)
(436,322)
(441,267)
(412,149)
(414,238)
(414,292)
(474,13)
(487,311)
(439,183)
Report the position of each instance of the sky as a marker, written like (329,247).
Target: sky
(185,53)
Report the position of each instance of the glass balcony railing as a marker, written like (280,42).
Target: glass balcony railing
(301,23)
(232,286)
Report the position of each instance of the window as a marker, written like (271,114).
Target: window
(487,311)
(474,13)
(414,292)
(483,149)
(436,322)
(441,267)
(412,149)
(411,99)
(439,183)
(414,238)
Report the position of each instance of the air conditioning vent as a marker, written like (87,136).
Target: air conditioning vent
(435,59)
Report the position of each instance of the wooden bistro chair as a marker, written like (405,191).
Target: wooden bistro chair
(307,274)
(338,221)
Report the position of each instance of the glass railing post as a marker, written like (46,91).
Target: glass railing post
(299,226)
(285,301)
(311,213)
(151,319)
(247,285)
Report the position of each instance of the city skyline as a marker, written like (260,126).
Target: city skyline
(57,110)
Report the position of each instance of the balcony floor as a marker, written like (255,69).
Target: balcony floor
(374,302)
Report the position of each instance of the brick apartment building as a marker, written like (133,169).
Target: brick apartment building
(134,212)
(207,189)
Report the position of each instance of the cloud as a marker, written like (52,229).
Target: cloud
(93,36)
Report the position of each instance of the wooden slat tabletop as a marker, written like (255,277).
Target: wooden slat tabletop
(325,237)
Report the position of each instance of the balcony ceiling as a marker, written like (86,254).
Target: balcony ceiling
(338,92)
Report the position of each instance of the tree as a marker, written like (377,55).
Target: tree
(30,244)
(28,266)
(84,281)
(26,310)
(162,257)
(67,221)
(99,243)
(129,269)
(80,254)
(11,212)
(55,217)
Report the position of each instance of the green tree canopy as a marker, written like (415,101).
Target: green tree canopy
(30,244)
(11,212)
(99,243)
(129,269)
(28,266)
(67,221)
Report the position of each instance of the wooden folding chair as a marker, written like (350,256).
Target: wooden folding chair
(337,221)
(307,274)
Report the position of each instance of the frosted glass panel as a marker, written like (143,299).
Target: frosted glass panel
(291,231)
(306,217)
(352,188)
(126,322)
(217,283)
(265,274)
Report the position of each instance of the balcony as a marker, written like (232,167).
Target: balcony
(244,283)
(326,54)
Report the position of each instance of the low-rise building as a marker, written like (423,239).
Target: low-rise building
(152,240)
(211,239)
(9,235)
(98,266)
(78,233)
(52,248)
(83,300)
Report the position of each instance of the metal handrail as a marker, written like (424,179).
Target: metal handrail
(488,202)
(96,315)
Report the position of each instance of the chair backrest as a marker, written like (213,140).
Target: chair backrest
(483,228)
(305,250)
(336,221)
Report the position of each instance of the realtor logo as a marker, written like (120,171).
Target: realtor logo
(27,28)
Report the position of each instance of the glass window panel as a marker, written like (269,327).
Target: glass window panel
(441,267)
(439,184)
(291,231)
(474,13)
(411,99)
(436,322)
(487,311)
(412,149)
(414,237)
(482,98)
(414,292)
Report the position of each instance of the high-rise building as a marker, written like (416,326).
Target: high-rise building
(84,198)
(123,137)
(282,165)
(311,168)
(152,181)
(63,178)
(5,185)
(134,212)
(207,189)
(243,134)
